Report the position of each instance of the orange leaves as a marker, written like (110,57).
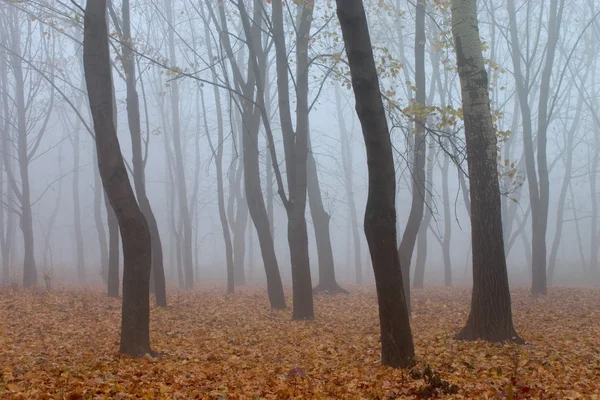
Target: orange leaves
(63,345)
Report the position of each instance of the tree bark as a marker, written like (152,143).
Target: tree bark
(296,152)
(491,315)
(99,222)
(417,206)
(320,219)
(135,316)
(139,178)
(397,349)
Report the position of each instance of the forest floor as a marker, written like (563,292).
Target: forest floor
(63,344)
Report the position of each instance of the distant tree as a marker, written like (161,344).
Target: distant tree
(139,159)
(397,349)
(135,317)
(491,315)
(409,238)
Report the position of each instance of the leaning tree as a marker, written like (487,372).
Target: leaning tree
(135,317)
(397,349)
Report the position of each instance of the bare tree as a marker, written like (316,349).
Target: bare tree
(397,347)
(181,186)
(491,314)
(139,176)
(28,137)
(407,244)
(137,248)
(347,164)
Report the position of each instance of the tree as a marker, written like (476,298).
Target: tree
(139,161)
(28,136)
(397,349)
(407,244)
(349,186)
(491,315)
(295,143)
(249,134)
(178,151)
(135,317)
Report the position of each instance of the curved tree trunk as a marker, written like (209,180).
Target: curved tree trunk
(320,219)
(397,349)
(139,178)
(417,206)
(135,319)
(491,315)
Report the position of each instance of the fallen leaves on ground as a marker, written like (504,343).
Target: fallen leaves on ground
(63,344)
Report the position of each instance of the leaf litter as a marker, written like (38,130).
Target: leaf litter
(63,344)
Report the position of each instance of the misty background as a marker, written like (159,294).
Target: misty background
(43,38)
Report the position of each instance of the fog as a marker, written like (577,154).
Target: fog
(50,49)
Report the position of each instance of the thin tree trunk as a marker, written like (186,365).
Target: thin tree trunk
(99,222)
(397,348)
(24,194)
(347,164)
(409,237)
(447,240)
(5,156)
(181,187)
(252,185)
(139,178)
(419,279)
(320,219)
(560,207)
(218,156)
(79,243)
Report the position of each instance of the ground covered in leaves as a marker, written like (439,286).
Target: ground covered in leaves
(63,343)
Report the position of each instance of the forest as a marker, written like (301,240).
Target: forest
(269,199)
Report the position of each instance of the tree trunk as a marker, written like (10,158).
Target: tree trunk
(417,206)
(447,240)
(99,222)
(349,186)
(397,349)
(560,207)
(79,243)
(296,152)
(135,318)
(218,156)
(320,219)
(5,156)
(491,315)
(139,178)
(252,184)
(181,188)
(24,197)
(419,279)
(114,235)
